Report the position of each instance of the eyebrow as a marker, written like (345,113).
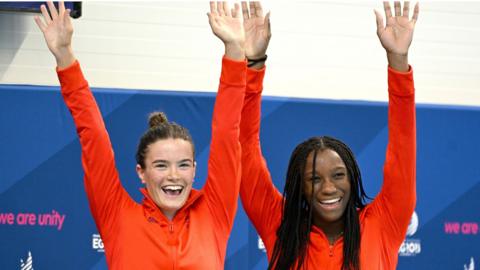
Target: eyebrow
(334,169)
(166,161)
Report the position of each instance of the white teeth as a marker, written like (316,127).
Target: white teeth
(172,188)
(331,201)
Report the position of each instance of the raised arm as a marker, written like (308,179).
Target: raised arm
(260,199)
(223,181)
(396,201)
(102,184)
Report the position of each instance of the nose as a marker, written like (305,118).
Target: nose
(328,187)
(172,173)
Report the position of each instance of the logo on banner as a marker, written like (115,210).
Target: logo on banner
(470,266)
(28,263)
(261,245)
(97,243)
(411,246)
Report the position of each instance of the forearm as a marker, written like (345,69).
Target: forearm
(223,181)
(398,193)
(101,177)
(260,199)
(251,112)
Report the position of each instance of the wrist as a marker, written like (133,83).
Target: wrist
(235,51)
(397,61)
(257,63)
(64,57)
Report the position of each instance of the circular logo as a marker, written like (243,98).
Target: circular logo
(413,226)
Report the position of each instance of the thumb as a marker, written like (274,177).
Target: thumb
(379,20)
(268,25)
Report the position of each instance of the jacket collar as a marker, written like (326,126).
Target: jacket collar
(154,214)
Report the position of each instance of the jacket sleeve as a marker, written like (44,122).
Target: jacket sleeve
(223,179)
(260,199)
(104,190)
(395,203)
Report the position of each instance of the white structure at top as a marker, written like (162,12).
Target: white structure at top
(319,49)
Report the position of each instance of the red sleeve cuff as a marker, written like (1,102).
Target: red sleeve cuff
(233,72)
(401,83)
(71,77)
(255,80)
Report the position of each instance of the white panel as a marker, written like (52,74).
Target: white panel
(321,49)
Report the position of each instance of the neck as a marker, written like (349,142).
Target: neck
(168,214)
(332,230)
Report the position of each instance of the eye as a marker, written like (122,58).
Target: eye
(339,175)
(185,165)
(161,166)
(315,179)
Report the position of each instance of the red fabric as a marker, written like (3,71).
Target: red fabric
(139,236)
(384,222)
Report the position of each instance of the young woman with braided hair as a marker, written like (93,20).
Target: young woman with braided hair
(175,227)
(322,220)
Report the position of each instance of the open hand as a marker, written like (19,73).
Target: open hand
(396,36)
(257,30)
(57,31)
(227,25)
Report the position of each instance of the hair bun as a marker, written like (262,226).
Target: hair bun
(157,119)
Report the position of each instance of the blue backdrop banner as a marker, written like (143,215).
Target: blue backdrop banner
(45,221)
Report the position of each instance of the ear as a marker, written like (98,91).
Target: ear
(194,168)
(141,173)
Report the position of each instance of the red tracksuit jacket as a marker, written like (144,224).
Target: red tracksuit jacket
(138,236)
(383,223)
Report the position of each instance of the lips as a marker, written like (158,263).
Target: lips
(331,204)
(331,201)
(173,190)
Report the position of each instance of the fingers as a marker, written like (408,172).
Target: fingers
(415,12)
(388,11)
(40,24)
(61,8)
(406,9)
(258,9)
(45,14)
(252,10)
(213,9)
(226,10)
(398,8)
(66,18)
(220,9)
(236,11)
(405,12)
(245,10)
(53,10)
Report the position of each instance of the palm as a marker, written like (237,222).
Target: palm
(397,36)
(228,29)
(256,37)
(56,28)
(58,35)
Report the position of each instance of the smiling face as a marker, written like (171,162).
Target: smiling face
(329,184)
(168,173)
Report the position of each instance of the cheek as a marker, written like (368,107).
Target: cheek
(307,189)
(188,177)
(154,177)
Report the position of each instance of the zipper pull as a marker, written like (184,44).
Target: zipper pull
(330,247)
(170,227)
